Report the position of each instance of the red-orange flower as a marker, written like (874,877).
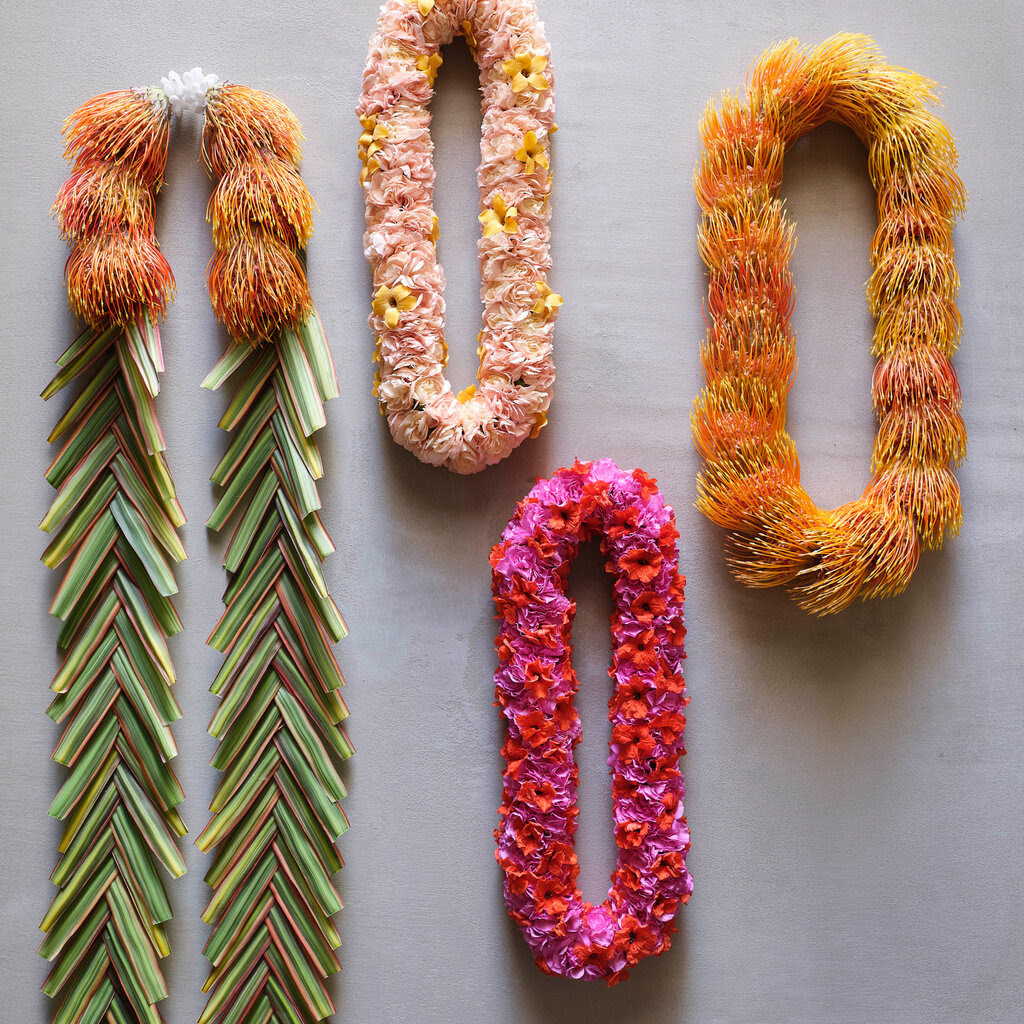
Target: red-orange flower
(538,679)
(540,795)
(623,521)
(630,834)
(634,740)
(629,700)
(641,564)
(641,650)
(635,941)
(530,837)
(565,518)
(647,605)
(536,728)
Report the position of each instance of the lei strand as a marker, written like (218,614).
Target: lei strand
(536,685)
(275,814)
(751,481)
(484,423)
(114,522)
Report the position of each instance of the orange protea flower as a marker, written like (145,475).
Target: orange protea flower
(129,128)
(101,198)
(257,286)
(263,192)
(242,122)
(261,213)
(118,278)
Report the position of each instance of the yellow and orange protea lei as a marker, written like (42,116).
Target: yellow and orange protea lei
(117,143)
(261,213)
(751,480)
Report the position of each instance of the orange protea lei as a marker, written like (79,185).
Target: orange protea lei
(117,144)
(751,480)
(261,213)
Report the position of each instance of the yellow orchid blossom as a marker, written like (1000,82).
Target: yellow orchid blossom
(429,65)
(531,153)
(542,422)
(548,301)
(424,6)
(435,229)
(466,31)
(392,302)
(500,218)
(526,70)
(466,394)
(370,143)
(368,168)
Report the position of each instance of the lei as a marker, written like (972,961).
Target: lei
(115,519)
(479,426)
(276,813)
(751,480)
(535,686)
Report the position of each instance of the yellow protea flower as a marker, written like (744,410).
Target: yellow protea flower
(425,6)
(429,65)
(500,218)
(548,301)
(526,70)
(392,302)
(531,153)
(466,394)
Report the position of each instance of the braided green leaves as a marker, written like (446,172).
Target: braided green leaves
(114,524)
(276,813)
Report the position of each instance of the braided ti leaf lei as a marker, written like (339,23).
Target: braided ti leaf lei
(276,813)
(114,522)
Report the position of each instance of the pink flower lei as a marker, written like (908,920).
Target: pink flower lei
(483,424)
(536,686)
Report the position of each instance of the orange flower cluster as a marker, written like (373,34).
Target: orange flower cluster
(261,213)
(117,143)
(751,481)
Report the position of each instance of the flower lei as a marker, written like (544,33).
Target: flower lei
(535,687)
(484,423)
(751,481)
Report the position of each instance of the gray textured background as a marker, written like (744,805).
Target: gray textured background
(854,784)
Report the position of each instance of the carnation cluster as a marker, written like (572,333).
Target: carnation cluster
(482,424)
(536,685)
(751,480)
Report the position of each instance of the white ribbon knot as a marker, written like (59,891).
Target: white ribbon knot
(188,91)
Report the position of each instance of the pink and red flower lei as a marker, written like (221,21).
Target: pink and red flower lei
(536,686)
